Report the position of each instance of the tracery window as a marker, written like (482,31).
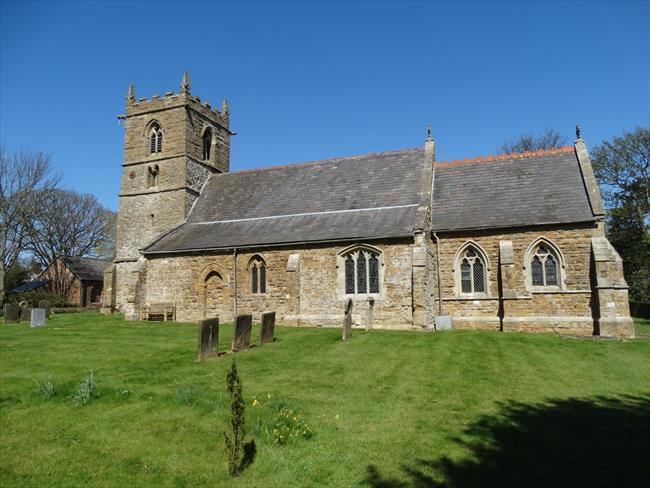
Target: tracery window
(258,275)
(472,271)
(544,267)
(361,271)
(155,138)
(207,144)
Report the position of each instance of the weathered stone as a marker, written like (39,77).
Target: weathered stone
(268,327)
(371,313)
(242,335)
(347,321)
(38,317)
(25,312)
(208,338)
(46,305)
(12,313)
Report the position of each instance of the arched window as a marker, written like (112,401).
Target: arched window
(361,271)
(155,138)
(544,267)
(470,269)
(207,144)
(257,268)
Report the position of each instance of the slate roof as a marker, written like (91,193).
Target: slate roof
(510,191)
(29,286)
(359,197)
(90,269)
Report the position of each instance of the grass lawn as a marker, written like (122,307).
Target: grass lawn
(642,327)
(387,409)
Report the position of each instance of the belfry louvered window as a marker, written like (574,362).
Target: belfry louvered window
(155,139)
(362,272)
(207,144)
(543,268)
(258,275)
(472,272)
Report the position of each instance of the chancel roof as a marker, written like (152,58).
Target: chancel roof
(544,187)
(361,197)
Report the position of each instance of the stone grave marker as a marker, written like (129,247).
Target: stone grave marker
(268,327)
(371,313)
(46,305)
(25,312)
(208,338)
(347,321)
(242,337)
(12,313)
(38,317)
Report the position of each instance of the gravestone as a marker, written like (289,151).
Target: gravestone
(268,327)
(38,317)
(46,305)
(12,313)
(347,321)
(371,313)
(208,338)
(242,337)
(25,312)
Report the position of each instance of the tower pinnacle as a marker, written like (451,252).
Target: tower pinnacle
(185,83)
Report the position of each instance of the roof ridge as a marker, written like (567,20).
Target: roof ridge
(321,161)
(501,157)
(88,257)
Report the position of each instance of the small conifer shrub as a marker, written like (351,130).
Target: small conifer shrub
(235,442)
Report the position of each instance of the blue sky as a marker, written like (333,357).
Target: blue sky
(314,80)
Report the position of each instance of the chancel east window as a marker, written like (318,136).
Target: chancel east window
(472,272)
(544,267)
(361,272)
(258,275)
(155,139)
(207,144)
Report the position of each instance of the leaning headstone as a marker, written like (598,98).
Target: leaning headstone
(371,313)
(347,321)
(12,313)
(268,327)
(38,317)
(208,338)
(46,305)
(242,338)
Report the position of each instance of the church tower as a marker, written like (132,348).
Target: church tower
(172,143)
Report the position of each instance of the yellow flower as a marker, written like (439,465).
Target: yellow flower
(255,402)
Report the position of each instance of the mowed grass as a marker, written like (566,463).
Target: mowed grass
(388,409)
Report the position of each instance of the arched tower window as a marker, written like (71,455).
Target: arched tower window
(471,268)
(207,144)
(545,264)
(155,138)
(257,267)
(361,270)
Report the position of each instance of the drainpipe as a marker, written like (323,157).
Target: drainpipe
(435,236)
(234,284)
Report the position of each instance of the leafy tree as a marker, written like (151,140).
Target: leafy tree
(69,224)
(622,167)
(25,177)
(529,142)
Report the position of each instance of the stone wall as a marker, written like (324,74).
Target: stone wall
(511,302)
(303,290)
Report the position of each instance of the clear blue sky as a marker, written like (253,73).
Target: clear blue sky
(315,80)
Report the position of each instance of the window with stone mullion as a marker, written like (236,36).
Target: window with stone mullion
(254,279)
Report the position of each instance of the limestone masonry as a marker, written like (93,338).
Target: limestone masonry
(511,243)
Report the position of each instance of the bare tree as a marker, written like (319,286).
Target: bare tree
(529,142)
(70,224)
(25,177)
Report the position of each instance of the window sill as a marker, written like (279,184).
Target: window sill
(471,297)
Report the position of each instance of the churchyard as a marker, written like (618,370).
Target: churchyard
(382,409)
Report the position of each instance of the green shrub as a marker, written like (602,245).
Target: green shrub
(33,298)
(46,388)
(290,427)
(235,443)
(87,390)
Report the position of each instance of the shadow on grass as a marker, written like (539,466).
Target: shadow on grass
(250,450)
(576,442)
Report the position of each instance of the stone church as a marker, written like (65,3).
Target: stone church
(513,242)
